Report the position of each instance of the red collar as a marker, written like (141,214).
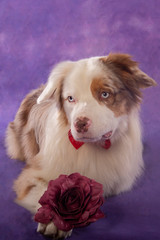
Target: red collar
(106,144)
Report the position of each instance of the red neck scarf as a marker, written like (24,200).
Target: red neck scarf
(76,144)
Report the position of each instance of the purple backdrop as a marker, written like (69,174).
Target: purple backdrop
(34,35)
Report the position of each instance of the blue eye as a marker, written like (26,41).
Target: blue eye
(70,99)
(104,95)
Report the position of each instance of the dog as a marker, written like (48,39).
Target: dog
(84,119)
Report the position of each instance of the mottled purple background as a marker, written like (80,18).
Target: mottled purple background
(36,34)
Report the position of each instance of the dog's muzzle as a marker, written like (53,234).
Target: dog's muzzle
(82,124)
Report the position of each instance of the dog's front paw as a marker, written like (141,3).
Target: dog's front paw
(51,230)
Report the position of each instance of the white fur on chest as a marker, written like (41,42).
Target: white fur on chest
(116,168)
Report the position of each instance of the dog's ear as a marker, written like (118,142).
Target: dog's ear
(128,72)
(55,81)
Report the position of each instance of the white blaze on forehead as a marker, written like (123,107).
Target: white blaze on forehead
(79,80)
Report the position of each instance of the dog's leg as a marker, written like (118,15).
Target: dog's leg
(29,188)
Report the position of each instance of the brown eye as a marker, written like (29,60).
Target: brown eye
(70,99)
(104,95)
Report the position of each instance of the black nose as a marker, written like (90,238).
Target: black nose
(82,124)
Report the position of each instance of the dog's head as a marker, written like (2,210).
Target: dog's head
(97,94)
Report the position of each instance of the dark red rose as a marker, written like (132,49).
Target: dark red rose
(71,201)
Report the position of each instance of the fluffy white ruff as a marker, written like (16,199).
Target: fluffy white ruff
(116,168)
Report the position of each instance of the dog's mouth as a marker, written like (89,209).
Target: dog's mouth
(104,137)
(107,135)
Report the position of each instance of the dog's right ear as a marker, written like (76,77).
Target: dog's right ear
(55,82)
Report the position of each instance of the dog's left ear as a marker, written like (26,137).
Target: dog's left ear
(55,81)
(128,71)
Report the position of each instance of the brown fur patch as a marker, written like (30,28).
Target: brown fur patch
(27,104)
(26,181)
(57,95)
(41,180)
(119,99)
(129,74)
(25,192)
(29,126)
(12,143)
(119,62)
(30,144)
(27,146)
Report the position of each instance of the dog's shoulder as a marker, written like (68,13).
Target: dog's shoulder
(28,102)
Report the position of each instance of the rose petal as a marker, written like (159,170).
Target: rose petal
(85,202)
(94,204)
(66,185)
(74,176)
(92,219)
(80,181)
(93,210)
(61,223)
(71,201)
(72,217)
(84,216)
(99,214)
(43,215)
(62,178)
(86,189)
(52,194)
(50,197)
(96,188)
